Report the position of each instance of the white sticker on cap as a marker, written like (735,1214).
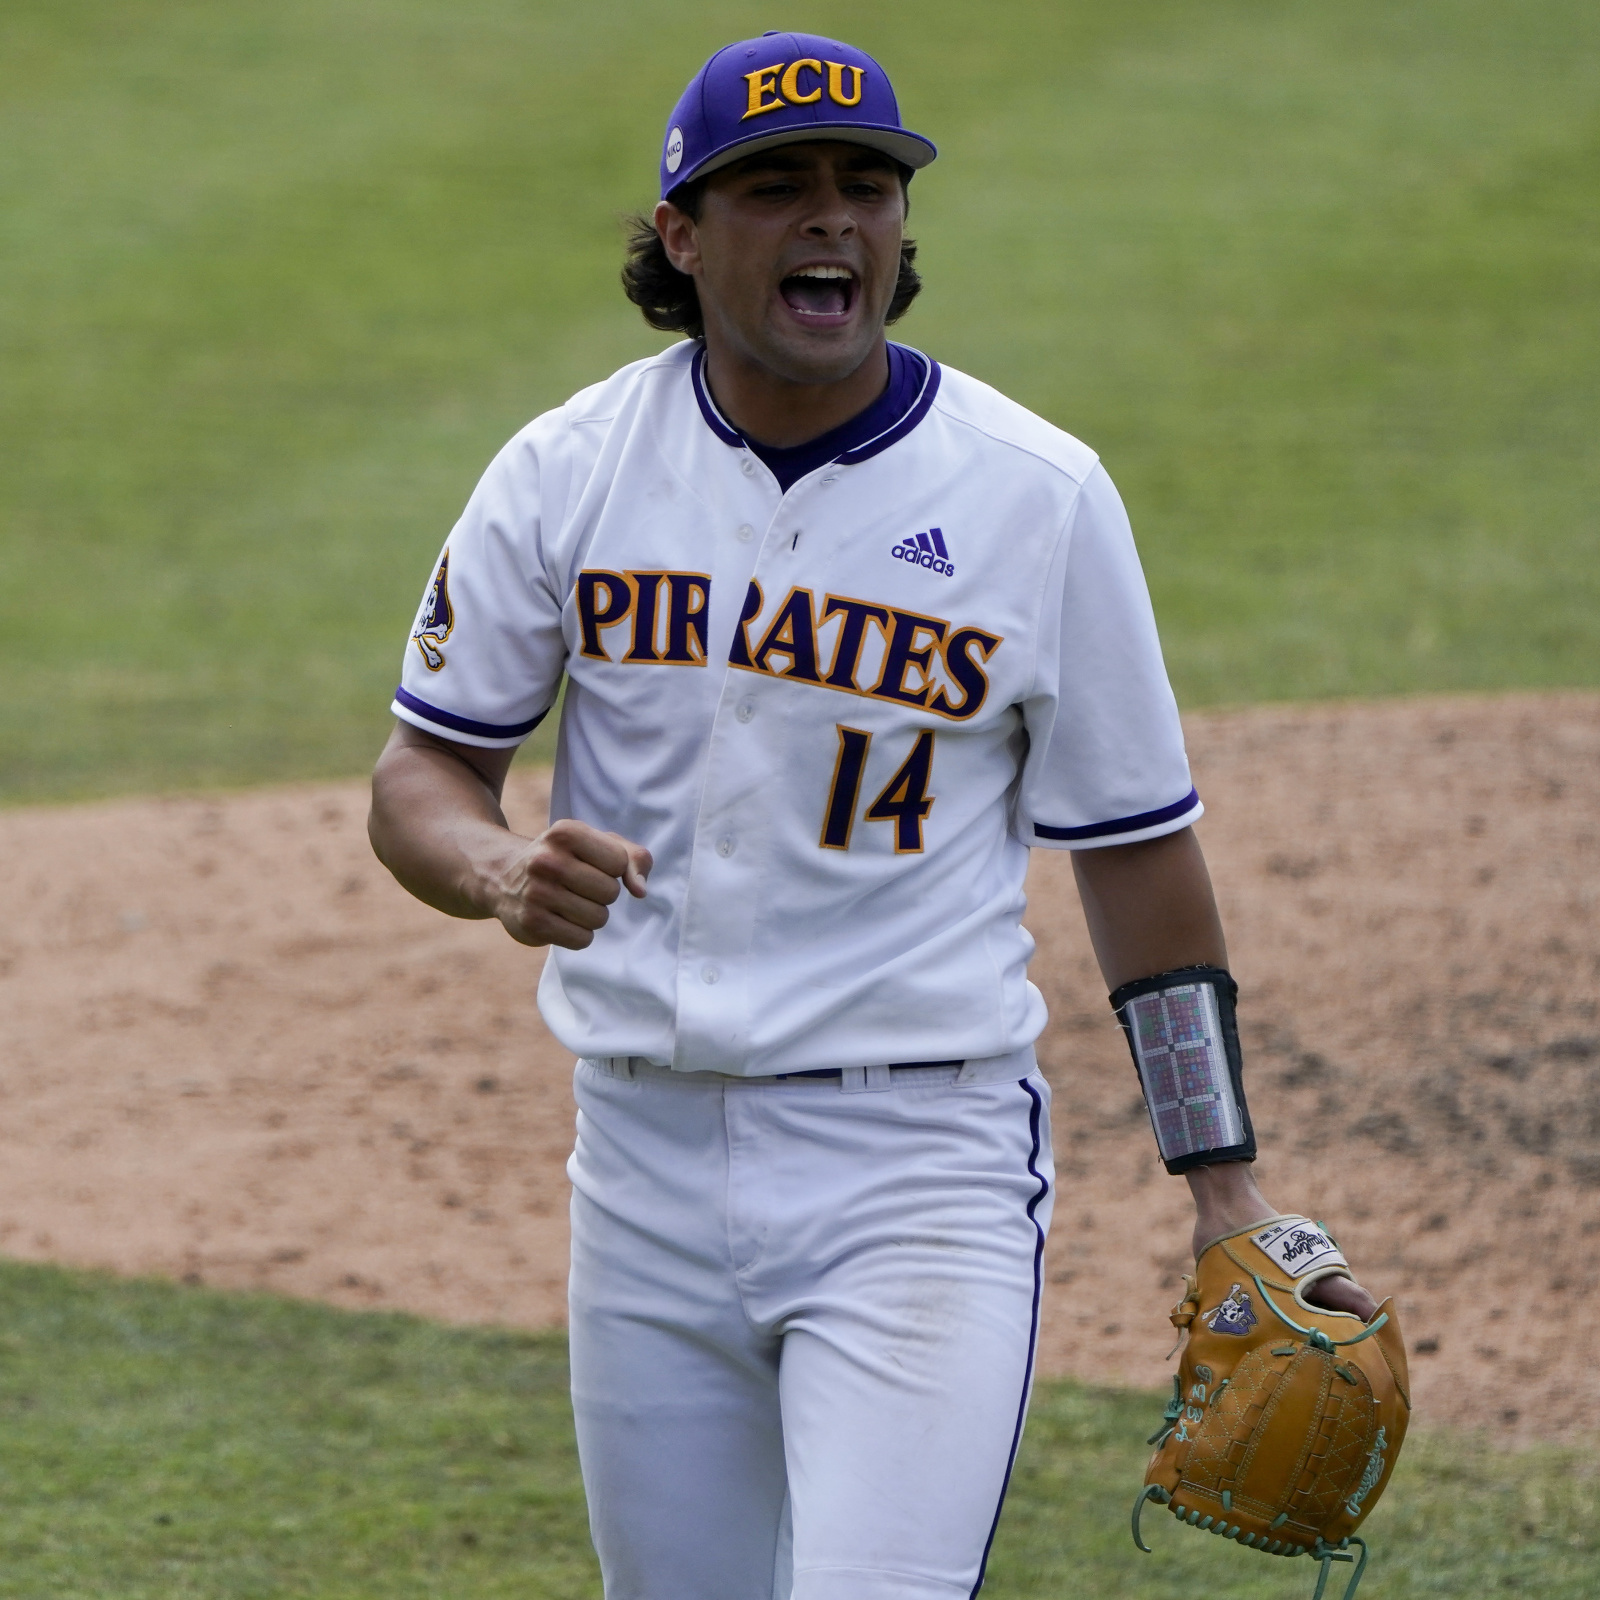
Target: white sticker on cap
(674,149)
(1298,1245)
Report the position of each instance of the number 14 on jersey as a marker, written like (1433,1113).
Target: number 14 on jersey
(904,801)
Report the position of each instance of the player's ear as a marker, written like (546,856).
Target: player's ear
(679,236)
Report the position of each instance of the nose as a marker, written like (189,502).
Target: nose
(832,219)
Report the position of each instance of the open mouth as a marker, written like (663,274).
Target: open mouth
(819,291)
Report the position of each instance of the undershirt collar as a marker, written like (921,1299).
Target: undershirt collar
(913,382)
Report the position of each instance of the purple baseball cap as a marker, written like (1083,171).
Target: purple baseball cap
(781,89)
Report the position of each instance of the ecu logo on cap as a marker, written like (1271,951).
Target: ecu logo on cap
(437,619)
(772,88)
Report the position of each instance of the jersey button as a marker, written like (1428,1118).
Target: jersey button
(745,710)
(724,848)
(747,466)
(744,533)
(709,974)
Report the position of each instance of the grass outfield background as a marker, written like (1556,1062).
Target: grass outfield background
(165,1442)
(1320,283)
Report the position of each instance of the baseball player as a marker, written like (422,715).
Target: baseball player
(844,634)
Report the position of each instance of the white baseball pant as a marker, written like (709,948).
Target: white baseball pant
(803,1322)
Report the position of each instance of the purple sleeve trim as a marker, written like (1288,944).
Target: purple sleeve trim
(1145,819)
(483,730)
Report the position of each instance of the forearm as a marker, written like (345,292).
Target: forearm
(437,825)
(1149,907)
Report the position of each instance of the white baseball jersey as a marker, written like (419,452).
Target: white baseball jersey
(838,717)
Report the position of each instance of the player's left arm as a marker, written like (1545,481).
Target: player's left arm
(1150,909)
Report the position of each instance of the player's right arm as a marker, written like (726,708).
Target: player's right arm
(437,825)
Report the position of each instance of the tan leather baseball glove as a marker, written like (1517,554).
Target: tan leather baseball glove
(1285,1419)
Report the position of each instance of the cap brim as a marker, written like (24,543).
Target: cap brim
(910,149)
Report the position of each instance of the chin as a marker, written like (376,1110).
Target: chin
(803,356)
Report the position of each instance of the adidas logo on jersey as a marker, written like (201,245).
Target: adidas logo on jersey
(926,550)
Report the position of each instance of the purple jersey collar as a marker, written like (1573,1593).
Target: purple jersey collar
(913,383)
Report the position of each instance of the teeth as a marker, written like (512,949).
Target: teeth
(823,272)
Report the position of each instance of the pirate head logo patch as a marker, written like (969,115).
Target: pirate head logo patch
(1235,1315)
(437,619)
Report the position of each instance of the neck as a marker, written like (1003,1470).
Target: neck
(777,411)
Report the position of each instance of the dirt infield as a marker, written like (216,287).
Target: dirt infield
(236,1053)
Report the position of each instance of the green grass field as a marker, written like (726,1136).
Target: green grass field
(1321,283)
(163,1442)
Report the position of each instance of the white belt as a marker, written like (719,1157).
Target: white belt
(847,1080)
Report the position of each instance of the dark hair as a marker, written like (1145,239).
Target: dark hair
(668,298)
